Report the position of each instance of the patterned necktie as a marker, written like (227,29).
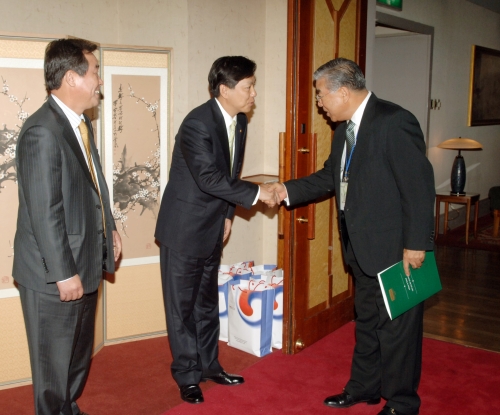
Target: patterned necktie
(232,129)
(349,134)
(86,143)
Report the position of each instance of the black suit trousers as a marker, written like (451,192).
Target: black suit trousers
(387,357)
(191,299)
(60,340)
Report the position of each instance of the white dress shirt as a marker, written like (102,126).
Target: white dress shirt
(228,120)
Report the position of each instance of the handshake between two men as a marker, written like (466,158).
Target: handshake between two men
(272,194)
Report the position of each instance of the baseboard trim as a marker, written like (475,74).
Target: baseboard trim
(15,383)
(110,342)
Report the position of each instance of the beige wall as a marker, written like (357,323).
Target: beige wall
(458,24)
(199,31)
(14,357)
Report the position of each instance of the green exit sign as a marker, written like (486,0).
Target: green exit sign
(393,4)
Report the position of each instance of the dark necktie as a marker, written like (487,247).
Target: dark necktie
(350,139)
(86,143)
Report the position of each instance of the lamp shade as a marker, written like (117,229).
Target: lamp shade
(460,144)
(458,172)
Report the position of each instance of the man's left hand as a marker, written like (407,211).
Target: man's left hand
(227,229)
(413,258)
(117,245)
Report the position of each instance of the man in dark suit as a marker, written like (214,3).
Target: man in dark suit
(65,231)
(384,188)
(195,219)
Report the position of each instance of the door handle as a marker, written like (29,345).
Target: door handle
(302,220)
(303,150)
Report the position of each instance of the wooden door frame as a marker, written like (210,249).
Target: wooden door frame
(293,140)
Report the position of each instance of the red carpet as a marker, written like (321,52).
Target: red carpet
(127,379)
(134,379)
(455,380)
(484,240)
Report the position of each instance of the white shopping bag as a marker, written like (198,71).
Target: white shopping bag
(228,273)
(250,313)
(275,280)
(223,282)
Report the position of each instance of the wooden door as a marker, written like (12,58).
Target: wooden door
(318,288)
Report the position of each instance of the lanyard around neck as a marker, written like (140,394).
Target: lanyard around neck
(348,162)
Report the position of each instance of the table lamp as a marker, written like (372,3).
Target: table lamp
(458,169)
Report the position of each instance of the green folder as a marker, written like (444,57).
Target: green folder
(401,292)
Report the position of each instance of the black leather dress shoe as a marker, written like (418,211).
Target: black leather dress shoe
(224,378)
(191,393)
(387,410)
(344,400)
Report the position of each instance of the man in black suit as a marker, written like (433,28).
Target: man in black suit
(65,229)
(195,219)
(384,188)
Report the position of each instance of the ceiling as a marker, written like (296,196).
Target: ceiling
(493,5)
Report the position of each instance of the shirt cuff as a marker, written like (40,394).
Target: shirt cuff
(286,199)
(256,197)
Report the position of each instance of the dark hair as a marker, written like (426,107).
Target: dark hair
(229,70)
(63,55)
(341,72)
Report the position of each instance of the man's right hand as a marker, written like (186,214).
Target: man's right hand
(280,189)
(269,197)
(71,289)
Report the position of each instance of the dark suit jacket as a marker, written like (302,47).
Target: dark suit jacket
(201,192)
(59,224)
(390,197)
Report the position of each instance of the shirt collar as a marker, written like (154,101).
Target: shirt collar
(73,118)
(358,114)
(228,120)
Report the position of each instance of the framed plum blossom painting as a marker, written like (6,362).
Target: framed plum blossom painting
(136,136)
(22,92)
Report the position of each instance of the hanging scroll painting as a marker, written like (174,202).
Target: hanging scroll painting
(22,92)
(136,125)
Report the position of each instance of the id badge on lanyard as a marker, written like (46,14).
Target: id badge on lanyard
(345,179)
(343,190)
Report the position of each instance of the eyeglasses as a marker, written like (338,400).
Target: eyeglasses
(319,97)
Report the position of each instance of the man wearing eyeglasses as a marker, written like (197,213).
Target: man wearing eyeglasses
(384,188)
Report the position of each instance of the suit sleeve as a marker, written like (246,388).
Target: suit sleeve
(313,186)
(231,210)
(197,149)
(40,170)
(414,178)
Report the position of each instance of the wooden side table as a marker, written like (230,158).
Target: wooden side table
(468,200)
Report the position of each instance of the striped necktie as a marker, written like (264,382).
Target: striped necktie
(86,143)
(350,139)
